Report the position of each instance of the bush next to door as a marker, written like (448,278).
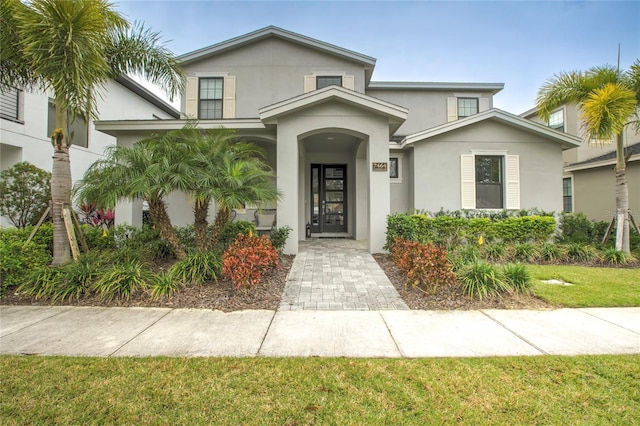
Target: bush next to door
(426,265)
(247,258)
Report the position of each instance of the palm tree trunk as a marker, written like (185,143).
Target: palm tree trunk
(222,217)
(622,199)
(158,212)
(200,224)
(60,187)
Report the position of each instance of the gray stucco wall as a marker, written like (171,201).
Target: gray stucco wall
(400,190)
(272,70)
(595,193)
(437,166)
(427,108)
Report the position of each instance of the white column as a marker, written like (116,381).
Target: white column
(379,190)
(288,175)
(129,213)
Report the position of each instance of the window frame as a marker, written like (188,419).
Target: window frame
(318,77)
(558,127)
(201,99)
(501,183)
(458,106)
(19,107)
(568,197)
(399,157)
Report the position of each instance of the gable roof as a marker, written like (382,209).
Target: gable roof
(396,114)
(606,159)
(271,31)
(567,141)
(147,95)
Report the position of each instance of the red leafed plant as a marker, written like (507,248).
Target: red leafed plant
(247,258)
(426,265)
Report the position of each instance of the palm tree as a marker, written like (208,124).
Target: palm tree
(74,48)
(231,172)
(607,99)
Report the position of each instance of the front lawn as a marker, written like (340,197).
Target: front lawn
(592,287)
(301,391)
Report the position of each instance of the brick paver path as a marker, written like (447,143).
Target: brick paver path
(338,274)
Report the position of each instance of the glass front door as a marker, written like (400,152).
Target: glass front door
(328,198)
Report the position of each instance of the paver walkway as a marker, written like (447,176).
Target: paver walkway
(338,274)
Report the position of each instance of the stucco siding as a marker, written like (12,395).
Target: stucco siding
(400,189)
(594,191)
(438,175)
(271,70)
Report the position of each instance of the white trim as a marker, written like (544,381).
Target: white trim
(596,164)
(495,152)
(205,74)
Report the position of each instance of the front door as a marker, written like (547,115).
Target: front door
(328,198)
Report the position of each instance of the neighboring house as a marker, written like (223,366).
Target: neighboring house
(348,151)
(28,118)
(589,178)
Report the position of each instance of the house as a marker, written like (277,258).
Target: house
(588,177)
(27,118)
(347,150)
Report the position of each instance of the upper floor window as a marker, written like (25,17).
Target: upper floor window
(324,81)
(78,128)
(10,104)
(556,120)
(210,99)
(467,107)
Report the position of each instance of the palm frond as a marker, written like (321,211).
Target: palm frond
(606,110)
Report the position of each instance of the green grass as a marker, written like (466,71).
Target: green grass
(592,287)
(300,391)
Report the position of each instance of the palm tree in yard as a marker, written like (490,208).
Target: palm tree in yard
(607,99)
(74,48)
(149,170)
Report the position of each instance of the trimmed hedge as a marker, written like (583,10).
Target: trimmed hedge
(451,231)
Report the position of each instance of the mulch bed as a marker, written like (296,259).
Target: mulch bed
(452,297)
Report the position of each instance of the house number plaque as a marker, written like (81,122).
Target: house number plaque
(379,167)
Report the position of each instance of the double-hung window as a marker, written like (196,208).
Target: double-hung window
(210,99)
(489,182)
(567,195)
(467,107)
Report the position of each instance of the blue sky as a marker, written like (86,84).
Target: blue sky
(519,43)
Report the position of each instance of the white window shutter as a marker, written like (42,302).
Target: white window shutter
(483,104)
(452,109)
(512,177)
(309,83)
(229,101)
(348,82)
(468,181)
(191,98)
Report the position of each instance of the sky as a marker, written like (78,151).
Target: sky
(518,43)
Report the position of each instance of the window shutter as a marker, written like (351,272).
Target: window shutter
(309,83)
(191,102)
(229,101)
(348,82)
(452,109)
(483,104)
(512,190)
(468,180)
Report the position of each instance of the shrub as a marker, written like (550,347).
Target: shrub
(76,278)
(278,237)
(231,230)
(525,252)
(187,236)
(577,228)
(164,286)
(517,277)
(481,279)
(426,265)
(197,268)
(247,258)
(24,193)
(616,257)
(551,252)
(524,229)
(578,252)
(123,280)
(410,227)
(468,253)
(41,283)
(18,257)
(496,251)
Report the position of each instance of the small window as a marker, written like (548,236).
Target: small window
(489,182)
(556,120)
(10,104)
(393,168)
(467,107)
(324,81)
(567,195)
(78,128)
(210,99)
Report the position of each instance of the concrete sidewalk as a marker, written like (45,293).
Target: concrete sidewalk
(92,331)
